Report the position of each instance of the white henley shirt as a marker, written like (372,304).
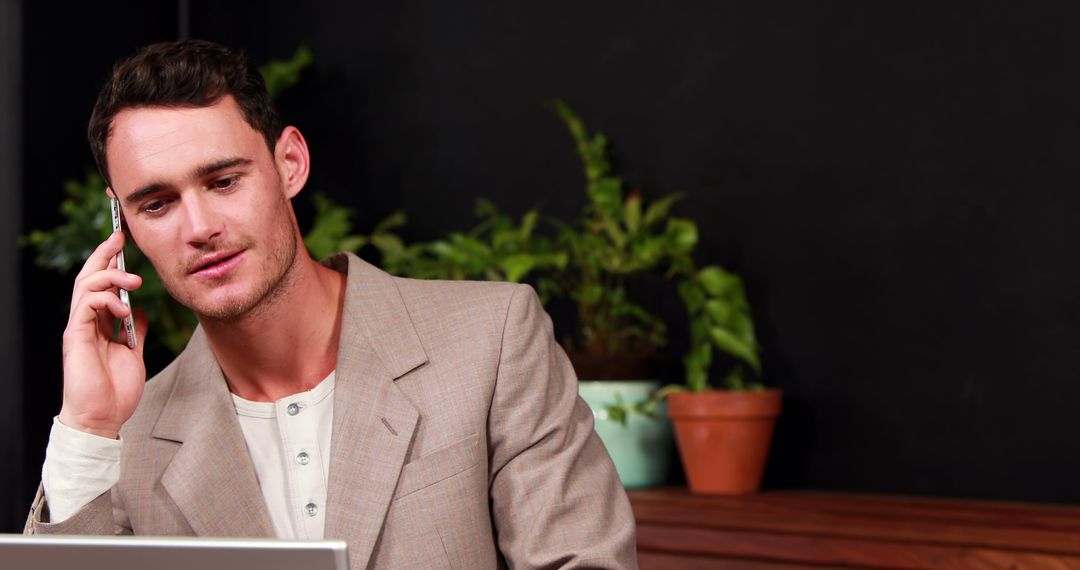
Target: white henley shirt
(289,444)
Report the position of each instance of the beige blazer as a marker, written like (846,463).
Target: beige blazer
(459,441)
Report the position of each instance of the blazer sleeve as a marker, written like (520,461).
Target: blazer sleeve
(556,499)
(100,517)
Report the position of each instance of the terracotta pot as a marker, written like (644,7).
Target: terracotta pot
(724,437)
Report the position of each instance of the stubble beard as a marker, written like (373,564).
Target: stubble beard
(258,301)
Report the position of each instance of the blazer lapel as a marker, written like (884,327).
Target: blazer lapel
(211,478)
(373,420)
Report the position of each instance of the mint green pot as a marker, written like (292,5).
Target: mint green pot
(642,448)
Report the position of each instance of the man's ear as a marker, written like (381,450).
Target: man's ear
(293,160)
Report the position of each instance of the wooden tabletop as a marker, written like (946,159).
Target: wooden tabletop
(801,529)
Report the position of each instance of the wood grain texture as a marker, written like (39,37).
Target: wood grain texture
(667,560)
(854,531)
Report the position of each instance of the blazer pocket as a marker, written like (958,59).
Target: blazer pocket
(438,465)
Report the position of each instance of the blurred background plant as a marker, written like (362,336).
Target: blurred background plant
(498,248)
(719,314)
(619,241)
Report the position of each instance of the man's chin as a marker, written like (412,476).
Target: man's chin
(233,306)
(217,307)
(226,310)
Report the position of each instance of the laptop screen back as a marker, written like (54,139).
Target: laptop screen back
(168,553)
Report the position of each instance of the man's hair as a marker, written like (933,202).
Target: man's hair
(187,73)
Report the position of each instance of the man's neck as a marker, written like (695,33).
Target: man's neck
(289,346)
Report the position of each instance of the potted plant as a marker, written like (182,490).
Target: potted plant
(619,242)
(723,435)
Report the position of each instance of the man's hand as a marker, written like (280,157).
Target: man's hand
(103,379)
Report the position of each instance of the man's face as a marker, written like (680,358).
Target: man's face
(207,203)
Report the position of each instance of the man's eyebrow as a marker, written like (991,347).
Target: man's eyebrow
(200,172)
(208,169)
(143,192)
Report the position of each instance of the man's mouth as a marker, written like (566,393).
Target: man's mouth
(217,265)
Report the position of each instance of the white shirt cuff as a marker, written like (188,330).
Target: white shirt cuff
(78,468)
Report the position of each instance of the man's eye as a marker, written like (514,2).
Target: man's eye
(225,183)
(154,207)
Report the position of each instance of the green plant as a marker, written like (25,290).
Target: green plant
(280,75)
(87,223)
(496,249)
(620,410)
(330,232)
(621,239)
(719,318)
(618,240)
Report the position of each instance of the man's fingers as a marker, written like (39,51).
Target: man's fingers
(105,324)
(109,279)
(102,256)
(104,280)
(86,311)
(141,326)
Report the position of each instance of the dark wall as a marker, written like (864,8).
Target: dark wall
(894,180)
(11,412)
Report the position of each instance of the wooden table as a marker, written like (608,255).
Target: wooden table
(799,529)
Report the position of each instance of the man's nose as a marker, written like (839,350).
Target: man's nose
(203,224)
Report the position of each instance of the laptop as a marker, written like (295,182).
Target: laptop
(168,553)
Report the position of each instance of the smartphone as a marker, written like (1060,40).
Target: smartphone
(128,321)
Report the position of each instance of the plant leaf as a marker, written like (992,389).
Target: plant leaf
(391,222)
(389,244)
(658,209)
(332,225)
(729,343)
(719,311)
(692,295)
(682,234)
(632,212)
(528,224)
(515,267)
(282,74)
(717,281)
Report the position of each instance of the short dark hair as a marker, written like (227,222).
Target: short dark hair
(186,73)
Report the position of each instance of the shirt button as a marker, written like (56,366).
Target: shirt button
(303,458)
(293,409)
(311,509)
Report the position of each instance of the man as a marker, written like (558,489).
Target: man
(429,424)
